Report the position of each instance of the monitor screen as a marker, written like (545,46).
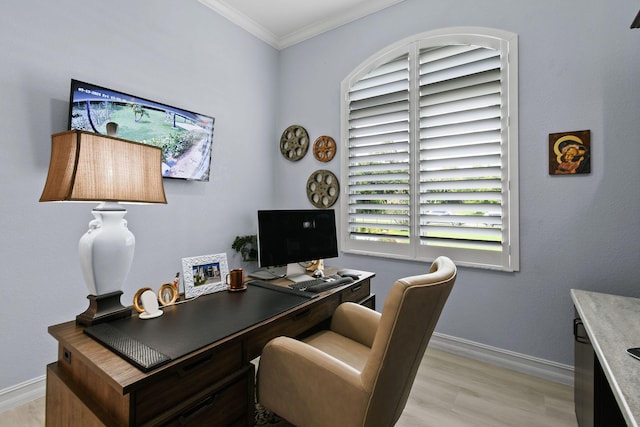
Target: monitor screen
(290,236)
(185,137)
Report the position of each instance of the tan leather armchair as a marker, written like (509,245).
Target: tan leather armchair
(360,371)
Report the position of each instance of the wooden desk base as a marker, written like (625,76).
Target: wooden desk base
(91,386)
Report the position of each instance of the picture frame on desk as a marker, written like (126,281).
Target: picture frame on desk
(167,294)
(137,302)
(204,274)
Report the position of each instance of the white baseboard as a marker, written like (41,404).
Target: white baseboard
(22,393)
(523,363)
(27,391)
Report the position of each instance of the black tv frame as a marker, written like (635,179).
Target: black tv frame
(199,127)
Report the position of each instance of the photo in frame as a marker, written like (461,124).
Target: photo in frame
(570,153)
(204,274)
(167,294)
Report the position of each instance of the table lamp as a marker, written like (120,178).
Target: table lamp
(88,167)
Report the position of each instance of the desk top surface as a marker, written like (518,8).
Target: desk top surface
(613,325)
(121,374)
(198,323)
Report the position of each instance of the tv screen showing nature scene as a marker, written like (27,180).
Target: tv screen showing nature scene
(184,136)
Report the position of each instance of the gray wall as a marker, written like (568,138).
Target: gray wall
(177,52)
(579,67)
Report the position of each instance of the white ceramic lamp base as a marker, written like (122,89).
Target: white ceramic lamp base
(106,253)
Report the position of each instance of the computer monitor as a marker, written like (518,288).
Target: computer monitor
(290,237)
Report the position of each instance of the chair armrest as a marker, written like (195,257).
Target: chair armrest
(304,384)
(356,322)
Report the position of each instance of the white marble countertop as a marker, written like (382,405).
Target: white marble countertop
(613,325)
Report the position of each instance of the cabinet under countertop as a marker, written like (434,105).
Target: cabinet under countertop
(612,324)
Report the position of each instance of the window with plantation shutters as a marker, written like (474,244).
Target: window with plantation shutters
(429,129)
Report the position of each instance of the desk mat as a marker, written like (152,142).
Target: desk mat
(186,327)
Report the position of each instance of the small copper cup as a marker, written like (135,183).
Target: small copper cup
(235,280)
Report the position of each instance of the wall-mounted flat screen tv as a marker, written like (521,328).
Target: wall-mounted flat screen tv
(185,137)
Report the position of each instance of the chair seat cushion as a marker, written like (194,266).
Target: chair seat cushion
(348,351)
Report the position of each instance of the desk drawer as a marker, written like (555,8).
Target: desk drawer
(356,292)
(186,379)
(226,406)
(292,325)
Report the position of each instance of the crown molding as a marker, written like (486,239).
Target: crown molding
(349,15)
(243,21)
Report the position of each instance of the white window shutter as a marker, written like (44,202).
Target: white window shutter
(378,147)
(430,150)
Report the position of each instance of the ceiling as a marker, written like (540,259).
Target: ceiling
(283,23)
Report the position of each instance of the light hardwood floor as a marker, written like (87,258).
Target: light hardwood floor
(452,391)
(449,391)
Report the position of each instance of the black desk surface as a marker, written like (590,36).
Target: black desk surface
(192,325)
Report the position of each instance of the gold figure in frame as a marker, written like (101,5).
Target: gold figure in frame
(569,153)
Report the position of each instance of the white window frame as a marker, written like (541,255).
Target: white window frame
(508,258)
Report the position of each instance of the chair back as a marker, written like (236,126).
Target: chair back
(409,316)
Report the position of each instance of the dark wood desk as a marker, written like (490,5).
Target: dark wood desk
(89,385)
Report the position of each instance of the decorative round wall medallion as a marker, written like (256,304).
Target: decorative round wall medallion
(294,143)
(324,148)
(323,189)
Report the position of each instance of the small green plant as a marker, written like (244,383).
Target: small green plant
(246,246)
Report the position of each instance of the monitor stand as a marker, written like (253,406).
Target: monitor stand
(294,272)
(297,273)
(269,273)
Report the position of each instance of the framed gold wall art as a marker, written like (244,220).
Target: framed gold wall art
(570,153)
